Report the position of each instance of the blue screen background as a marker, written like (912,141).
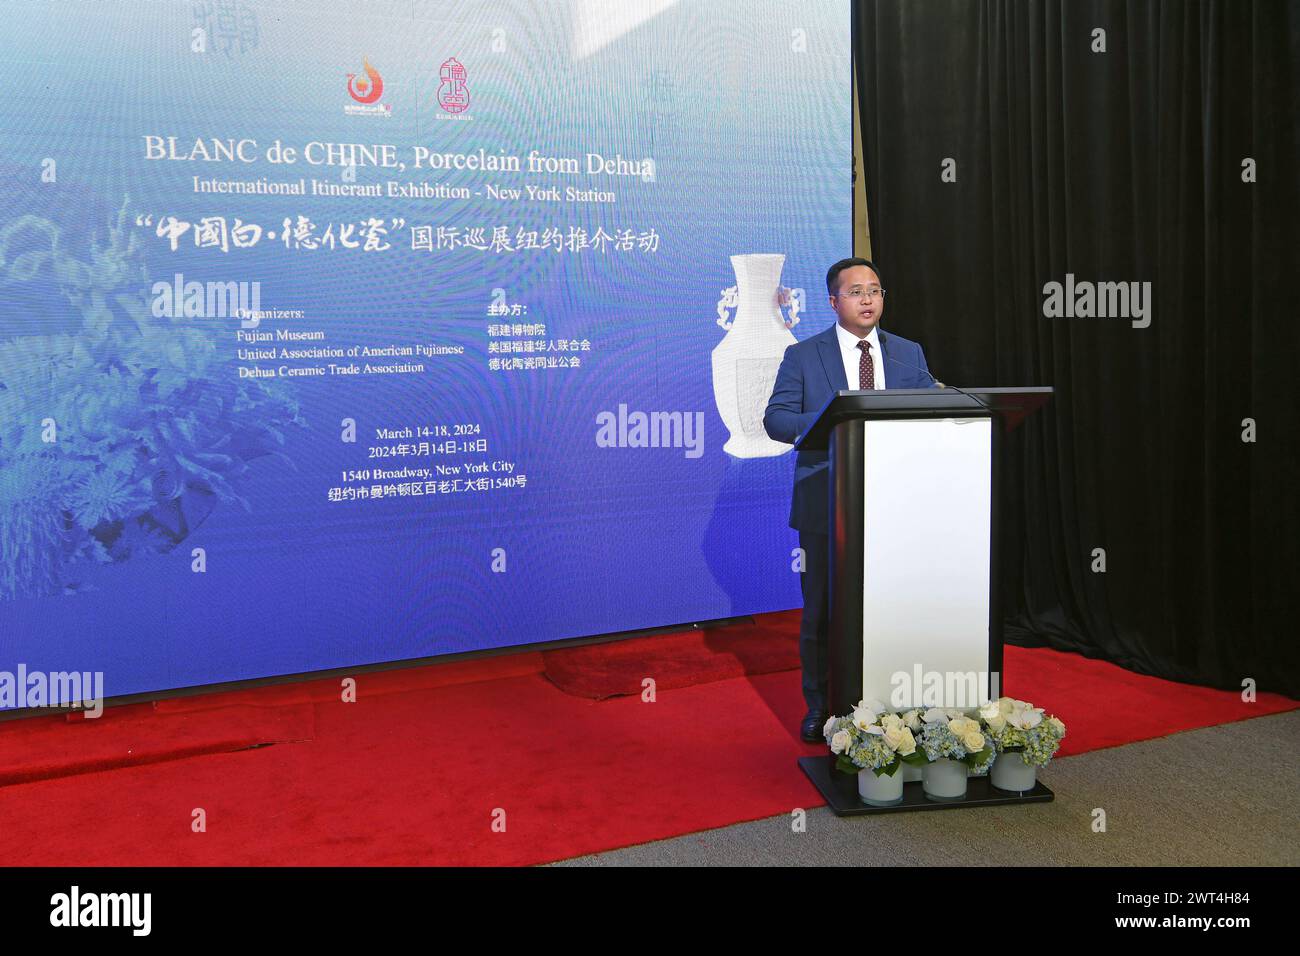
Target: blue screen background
(745,108)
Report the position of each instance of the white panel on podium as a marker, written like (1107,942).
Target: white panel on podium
(925,604)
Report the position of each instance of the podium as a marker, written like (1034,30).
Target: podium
(915,616)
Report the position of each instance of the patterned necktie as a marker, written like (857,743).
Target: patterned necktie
(866,368)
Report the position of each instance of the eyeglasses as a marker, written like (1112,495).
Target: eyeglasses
(857,292)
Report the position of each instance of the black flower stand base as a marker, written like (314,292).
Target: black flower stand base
(841,792)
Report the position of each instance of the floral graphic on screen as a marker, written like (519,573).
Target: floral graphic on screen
(120,432)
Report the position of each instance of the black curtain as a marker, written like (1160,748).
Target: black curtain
(1123,164)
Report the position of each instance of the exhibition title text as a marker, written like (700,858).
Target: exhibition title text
(388,156)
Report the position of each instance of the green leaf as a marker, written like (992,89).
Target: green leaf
(845,765)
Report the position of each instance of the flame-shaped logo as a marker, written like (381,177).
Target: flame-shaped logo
(366,91)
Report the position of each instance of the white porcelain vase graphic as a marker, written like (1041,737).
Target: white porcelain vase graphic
(746,360)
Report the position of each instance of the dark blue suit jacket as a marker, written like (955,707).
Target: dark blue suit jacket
(811,372)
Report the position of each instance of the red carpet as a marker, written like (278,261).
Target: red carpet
(600,671)
(40,748)
(413,772)
(140,734)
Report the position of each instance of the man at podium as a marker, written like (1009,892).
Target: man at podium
(853,350)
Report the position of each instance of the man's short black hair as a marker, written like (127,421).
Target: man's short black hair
(833,274)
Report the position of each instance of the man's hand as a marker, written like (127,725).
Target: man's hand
(785,419)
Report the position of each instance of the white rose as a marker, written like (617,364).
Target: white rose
(892,722)
(894,737)
(906,743)
(996,723)
(913,719)
(840,742)
(961,726)
(830,723)
(990,710)
(973,741)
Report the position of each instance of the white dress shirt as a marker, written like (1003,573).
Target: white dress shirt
(852,355)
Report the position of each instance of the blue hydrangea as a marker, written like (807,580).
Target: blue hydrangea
(982,768)
(939,742)
(1035,746)
(866,751)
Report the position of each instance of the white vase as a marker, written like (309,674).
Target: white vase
(911,774)
(944,779)
(1010,772)
(746,360)
(882,791)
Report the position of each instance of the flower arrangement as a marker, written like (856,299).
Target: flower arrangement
(1016,726)
(873,738)
(948,733)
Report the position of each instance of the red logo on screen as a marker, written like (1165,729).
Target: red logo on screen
(366,90)
(453,94)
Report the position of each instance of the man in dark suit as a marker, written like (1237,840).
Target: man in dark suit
(852,353)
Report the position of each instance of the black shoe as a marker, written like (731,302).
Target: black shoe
(810,731)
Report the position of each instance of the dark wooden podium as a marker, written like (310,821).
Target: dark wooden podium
(914,561)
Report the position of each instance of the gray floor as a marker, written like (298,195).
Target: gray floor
(1222,796)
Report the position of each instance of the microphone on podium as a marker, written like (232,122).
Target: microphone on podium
(938,384)
(915,368)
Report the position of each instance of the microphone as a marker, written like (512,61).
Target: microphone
(915,368)
(938,384)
